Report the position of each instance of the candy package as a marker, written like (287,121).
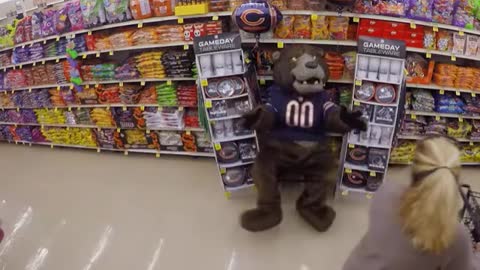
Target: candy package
(366,7)
(116,10)
(420,10)
(472,45)
(162,7)
(463,13)
(37,18)
(48,23)
(459,42)
(62,24)
(320,28)
(444,40)
(284,28)
(429,39)
(302,28)
(75,16)
(393,7)
(338,28)
(443,11)
(93,12)
(141,9)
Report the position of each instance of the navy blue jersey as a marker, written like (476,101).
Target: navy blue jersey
(298,118)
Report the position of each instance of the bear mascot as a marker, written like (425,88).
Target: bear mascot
(291,129)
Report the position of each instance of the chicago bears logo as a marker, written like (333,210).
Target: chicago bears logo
(256,17)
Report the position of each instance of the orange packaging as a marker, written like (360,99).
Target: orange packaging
(141,9)
(284,28)
(302,27)
(162,8)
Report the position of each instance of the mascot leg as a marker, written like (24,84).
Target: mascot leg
(268,212)
(320,182)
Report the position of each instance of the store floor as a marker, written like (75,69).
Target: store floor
(72,209)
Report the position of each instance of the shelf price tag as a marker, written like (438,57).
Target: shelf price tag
(18,109)
(20,67)
(215,18)
(413,116)
(97,55)
(356,103)
(69,109)
(44,42)
(98,150)
(84,56)
(350,145)
(369,196)
(471,143)
(437,117)
(43,62)
(188,132)
(110,53)
(228,195)
(280,45)
(51,146)
(147,131)
(180,108)
(142,108)
(208,104)
(118,130)
(204,82)
(169,82)
(454,58)
(442,92)
(185,47)
(55,109)
(140,25)
(120,84)
(180,20)
(57,38)
(57,60)
(223,170)
(461,33)
(435,28)
(142,83)
(345,192)
(125,153)
(58,87)
(124,108)
(373,174)
(356,19)
(457,93)
(34,63)
(314,17)
(428,55)
(29,90)
(262,82)
(413,25)
(157,155)
(460,119)
(71,86)
(348,170)
(474,95)
(217,146)
(358,82)
(89,33)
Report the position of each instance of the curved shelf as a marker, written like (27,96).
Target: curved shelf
(447,115)
(95,127)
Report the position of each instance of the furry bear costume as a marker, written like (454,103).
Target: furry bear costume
(291,130)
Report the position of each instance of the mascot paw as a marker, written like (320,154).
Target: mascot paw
(353,119)
(256,220)
(260,118)
(321,218)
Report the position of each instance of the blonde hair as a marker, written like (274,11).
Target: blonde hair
(429,207)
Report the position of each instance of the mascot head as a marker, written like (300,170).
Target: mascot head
(301,68)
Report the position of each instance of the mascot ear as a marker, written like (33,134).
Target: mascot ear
(276,56)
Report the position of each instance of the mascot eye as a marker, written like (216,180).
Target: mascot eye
(294,59)
(314,57)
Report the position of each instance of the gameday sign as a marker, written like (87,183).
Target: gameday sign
(217,43)
(381,46)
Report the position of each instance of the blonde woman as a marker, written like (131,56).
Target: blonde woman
(417,227)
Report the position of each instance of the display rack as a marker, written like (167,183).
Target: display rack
(227,94)
(377,93)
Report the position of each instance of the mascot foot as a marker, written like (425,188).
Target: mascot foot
(259,219)
(321,218)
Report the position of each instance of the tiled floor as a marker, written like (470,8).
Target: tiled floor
(72,209)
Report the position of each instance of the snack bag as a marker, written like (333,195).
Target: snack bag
(302,27)
(141,9)
(62,24)
(463,14)
(459,42)
(284,28)
(37,18)
(393,7)
(75,15)
(117,10)
(93,12)
(429,39)
(338,28)
(162,7)
(444,40)
(420,10)
(443,11)
(320,28)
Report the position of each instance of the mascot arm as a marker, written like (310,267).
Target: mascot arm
(338,119)
(261,118)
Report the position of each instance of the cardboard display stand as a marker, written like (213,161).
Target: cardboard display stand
(378,92)
(226,84)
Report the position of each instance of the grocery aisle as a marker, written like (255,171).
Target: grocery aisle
(106,211)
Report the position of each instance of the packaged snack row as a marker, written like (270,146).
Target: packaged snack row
(177,141)
(162,94)
(428,101)
(323,27)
